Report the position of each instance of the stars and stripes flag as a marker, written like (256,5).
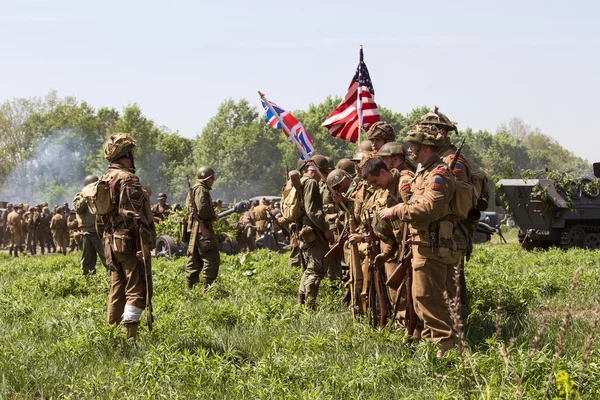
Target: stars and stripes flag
(358,108)
(278,118)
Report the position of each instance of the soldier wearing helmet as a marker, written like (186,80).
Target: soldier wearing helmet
(4,235)
(332,214)
(46,233)
(14,224)
(74,232)
(346,165)
(379,134)
(203,255)
(91,245)
(60,230)
(161,209)
(313,231)
(129,235)
(436,251)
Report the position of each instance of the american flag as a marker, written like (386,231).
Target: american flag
(301,139)
(344,120)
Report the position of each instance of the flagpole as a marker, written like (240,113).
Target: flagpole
(284,127)
(359,103)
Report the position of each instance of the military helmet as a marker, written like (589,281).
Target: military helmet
(391,149)
(428,135)
(320,162)
(34,208)
(330,161)
(301,164)
(117,146)
(90,179)
(358,155)
(9,205)
(364,146)
(381,130)
(46,210)
(205,172)
(346,164)
(162,196)
(336,177)
(20,205)
(438,119)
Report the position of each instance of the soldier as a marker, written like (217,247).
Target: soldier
(261,217)
(435,250)
(3,229)
(332,211)
(379,134)
(60,230)
(46,232)
(346,164)
(14,223)
(129,235)
(35,226)
(91,245)
(313,232)
(74,232)
(203,243)
(246,237)
(29,228)
(161,209)
(331,164)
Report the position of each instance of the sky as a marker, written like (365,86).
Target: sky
(483,63)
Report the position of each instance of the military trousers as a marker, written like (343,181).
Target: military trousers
(294,259)
(204,258)
(91,249)
(313,255)
(128,286)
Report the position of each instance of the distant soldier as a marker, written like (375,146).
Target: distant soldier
(161,209)
(91,245)
(46,232)
(261,217)
(60,230)
(246,237)
(74,232)
(379,134)
(14,223)
(127,227)
(203,243)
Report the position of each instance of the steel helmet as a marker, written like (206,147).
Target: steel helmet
(438,119)
(320,161)
(425,134)
(391,149)
(90,179)
(117,146)
(381,130)
(346,164)
(336,177)
(205,172)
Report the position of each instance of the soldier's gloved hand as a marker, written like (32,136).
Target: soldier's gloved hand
(380,259)
(330,237)
(356,238)
(386,213)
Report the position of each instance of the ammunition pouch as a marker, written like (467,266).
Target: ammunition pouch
(123,241)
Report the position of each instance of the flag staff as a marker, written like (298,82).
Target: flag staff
(359,104)
(292,137)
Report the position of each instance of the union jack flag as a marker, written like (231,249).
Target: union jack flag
(300,138)
(344,120)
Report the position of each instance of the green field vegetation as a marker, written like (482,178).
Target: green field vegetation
(246,337)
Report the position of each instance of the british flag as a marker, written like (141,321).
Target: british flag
(344,120)
(300,138)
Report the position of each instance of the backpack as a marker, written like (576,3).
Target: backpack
(290,203)
(97,197)
(464,199)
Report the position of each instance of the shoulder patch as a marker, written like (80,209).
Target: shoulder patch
(440,171)
(463,160)
(438,180)
(405,187)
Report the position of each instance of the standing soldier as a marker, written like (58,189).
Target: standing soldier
(129,235)
(91,245)
(161,209)
(14,223)
(261,217)
(436,251)
(35,222)
(74,232)
(246,237)
(28,231)
(313,232)
(45,229)
(202,248)
(331,210)
(60,230)
(379,134)
(3,230)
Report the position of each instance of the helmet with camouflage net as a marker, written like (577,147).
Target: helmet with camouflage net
(330,162)
(346,164)
(381,130)
(9,205)
(336,177)
(364,146)
(90,179)
(117,146)
(320,161)
(204,173)
(391,149)
(438,119)
(428,135)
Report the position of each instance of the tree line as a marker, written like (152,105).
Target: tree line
(49,144)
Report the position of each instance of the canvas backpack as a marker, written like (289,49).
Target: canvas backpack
(97,197)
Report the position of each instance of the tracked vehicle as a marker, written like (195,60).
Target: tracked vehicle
(547,214)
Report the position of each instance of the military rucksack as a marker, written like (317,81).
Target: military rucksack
(97,197)
(290,203)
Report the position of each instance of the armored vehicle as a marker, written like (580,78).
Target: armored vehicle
(549,212)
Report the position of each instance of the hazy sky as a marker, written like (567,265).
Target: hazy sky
(481,62)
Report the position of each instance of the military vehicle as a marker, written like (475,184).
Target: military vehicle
(167,246)
(551,213)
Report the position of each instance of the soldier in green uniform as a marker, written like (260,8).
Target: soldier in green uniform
(126,228)
(313,232)
(203,255)
(74,232)
(60,230)
(91,245)
(14,223)
(161,209)
(436,251)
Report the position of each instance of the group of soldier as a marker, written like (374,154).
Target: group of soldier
(24,229)
(392,208)
(381,205)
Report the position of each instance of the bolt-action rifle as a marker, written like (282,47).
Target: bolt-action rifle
(145,265)
(378,298)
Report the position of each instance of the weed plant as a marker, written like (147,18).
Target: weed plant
(246,338)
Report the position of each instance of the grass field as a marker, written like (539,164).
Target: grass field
(246,338)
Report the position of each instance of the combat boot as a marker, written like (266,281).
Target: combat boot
(205,284)
(301,298)
(130,329)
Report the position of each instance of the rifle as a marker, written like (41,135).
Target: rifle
(139,245)
(295,178)
(337,250)
(457,155)
(378,300)
(194,217)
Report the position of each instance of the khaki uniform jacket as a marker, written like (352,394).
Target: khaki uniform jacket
(87,220)
(59,225)
(160,211)
(462,170)
(313,204)
(14,223)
